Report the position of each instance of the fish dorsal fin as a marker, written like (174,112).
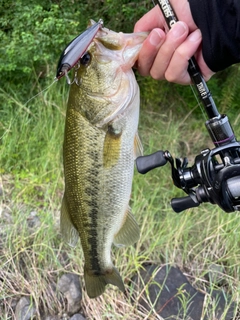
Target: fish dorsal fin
(129,232)
(138,148)
(68,231)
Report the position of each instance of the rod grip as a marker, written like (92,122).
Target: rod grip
(193,68)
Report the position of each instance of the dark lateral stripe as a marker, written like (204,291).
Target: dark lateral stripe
(93,191)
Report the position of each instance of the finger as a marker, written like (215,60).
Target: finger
(183,12)
(174,39)
(206,72)
(152,19)
(149,51)
(177,69)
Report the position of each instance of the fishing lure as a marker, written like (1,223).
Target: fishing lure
(75,50)
(73,53)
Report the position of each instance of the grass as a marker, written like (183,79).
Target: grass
(33,258)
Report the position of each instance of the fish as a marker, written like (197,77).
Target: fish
(101,143)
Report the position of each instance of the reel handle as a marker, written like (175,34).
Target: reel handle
(152,161)
(183,203)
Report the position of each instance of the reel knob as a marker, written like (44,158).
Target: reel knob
(152,161)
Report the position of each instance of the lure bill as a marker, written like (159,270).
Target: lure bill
(75,50)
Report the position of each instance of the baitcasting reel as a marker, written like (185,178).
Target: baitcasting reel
(215,175)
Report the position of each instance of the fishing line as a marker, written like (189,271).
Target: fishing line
(202,110)
(55,80)
(68,80)
(198,102)
(72,54)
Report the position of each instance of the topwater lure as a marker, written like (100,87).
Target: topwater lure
(75,50)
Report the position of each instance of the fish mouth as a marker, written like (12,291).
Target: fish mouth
(125,46)
(133,46)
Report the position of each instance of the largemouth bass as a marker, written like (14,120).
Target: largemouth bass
(100,145)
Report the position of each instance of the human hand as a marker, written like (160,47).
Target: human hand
(166,55)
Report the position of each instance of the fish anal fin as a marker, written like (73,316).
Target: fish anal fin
(68,231)
(112,147)
(129,232)
(95,283)
(138,148)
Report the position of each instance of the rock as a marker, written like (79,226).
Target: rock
(13,303)
(6,215)
(64,258)
(217,300)
(52,318)
(216,274)
(64,316)
(77,316)
(25,310)
(168,290)
(69,285)
(33,220)
(56,317)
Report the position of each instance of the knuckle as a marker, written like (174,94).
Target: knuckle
(137,26)
(182,78)
(155,74)
(208,76)
(170,76)
(143,72)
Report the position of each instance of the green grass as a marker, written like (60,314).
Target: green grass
(32,259)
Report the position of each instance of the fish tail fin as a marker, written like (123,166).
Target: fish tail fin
(96,283)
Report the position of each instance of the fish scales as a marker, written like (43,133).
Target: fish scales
(100,145)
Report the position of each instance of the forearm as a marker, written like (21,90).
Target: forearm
(219,22)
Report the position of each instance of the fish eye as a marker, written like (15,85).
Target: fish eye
(86,58)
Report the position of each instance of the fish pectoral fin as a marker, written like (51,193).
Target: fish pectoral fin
(112,146)
(96,283)
(68,231)
(138,148)
(129,232)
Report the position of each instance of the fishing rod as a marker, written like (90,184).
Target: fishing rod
(215,174)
